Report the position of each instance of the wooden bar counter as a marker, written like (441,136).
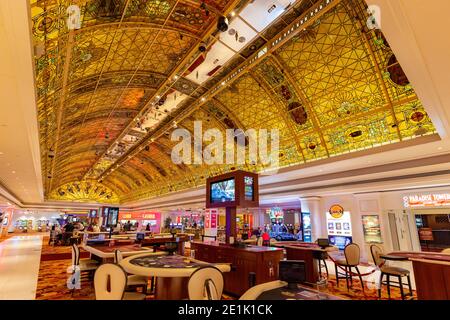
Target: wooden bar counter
(263,261)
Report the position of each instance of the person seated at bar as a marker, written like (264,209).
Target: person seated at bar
(266,239)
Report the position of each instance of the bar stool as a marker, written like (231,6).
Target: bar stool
(352,258)
(390,271)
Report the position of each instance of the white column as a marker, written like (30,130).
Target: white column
(312,205)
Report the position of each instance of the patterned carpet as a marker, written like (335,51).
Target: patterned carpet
(53,276)
(57,252)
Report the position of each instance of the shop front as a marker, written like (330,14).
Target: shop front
(430,213)
(142,219)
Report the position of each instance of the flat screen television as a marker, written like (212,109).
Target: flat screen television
(113,216)
(223,191)
(323,242)
(140,236)
(292,271)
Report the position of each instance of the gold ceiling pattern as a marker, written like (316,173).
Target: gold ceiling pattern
(333,88)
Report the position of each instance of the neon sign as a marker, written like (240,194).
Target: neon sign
(427,200)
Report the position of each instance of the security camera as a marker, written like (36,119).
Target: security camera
(222,24)
(202,47)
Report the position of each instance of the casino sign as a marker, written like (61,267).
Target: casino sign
(336,211)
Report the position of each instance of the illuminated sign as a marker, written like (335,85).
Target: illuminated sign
(427,200)
(336,211)
(339,224)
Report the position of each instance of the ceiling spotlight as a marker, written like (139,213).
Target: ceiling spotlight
(202,47)
(232,32)
(222,24)
(242,39)
(175,77)
(233,13)
(203,99)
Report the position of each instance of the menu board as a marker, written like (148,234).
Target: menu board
(339,224)
(371,229)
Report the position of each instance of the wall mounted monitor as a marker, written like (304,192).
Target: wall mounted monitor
(223,191)
(292,271)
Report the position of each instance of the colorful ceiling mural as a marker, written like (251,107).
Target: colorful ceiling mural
(110,93)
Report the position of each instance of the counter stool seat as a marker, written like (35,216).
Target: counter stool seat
(390,271)
(396,271)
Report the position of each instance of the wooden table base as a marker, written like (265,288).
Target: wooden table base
(171,288)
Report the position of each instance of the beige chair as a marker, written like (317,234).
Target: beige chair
(87,265)
(110,281)
(390,271)
(259,241)
(446,251)
(132,280)
(254,292)
(352,259)
(205,283)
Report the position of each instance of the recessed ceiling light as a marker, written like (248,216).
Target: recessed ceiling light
(1,152)
(13,171)
(233,13)
(440,148)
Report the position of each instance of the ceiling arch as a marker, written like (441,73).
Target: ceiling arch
(110,93)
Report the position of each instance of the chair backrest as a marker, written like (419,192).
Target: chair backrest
(259,241)
(376,252)
(352,254)
(446,251)
(205,283)
(118,256)
(110,281)
(75,255)
(254,292)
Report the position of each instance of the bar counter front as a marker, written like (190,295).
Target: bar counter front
(262,261)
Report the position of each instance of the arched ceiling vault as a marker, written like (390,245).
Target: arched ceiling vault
(111,93)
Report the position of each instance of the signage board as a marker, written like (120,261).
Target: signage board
(426,234)
(339,224)
(427,200)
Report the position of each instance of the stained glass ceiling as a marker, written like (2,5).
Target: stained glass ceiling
(109,93)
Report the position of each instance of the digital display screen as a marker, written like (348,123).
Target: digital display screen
(340,241)
(248,182)
(292,271)
(113,216)
(93,213)
(222,191)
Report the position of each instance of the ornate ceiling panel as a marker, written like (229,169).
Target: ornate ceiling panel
(334,87)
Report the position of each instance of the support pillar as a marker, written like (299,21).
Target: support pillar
(318,219)
(230,227)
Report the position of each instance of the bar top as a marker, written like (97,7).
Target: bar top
(249,248)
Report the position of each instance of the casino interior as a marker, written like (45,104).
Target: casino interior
(224,150)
